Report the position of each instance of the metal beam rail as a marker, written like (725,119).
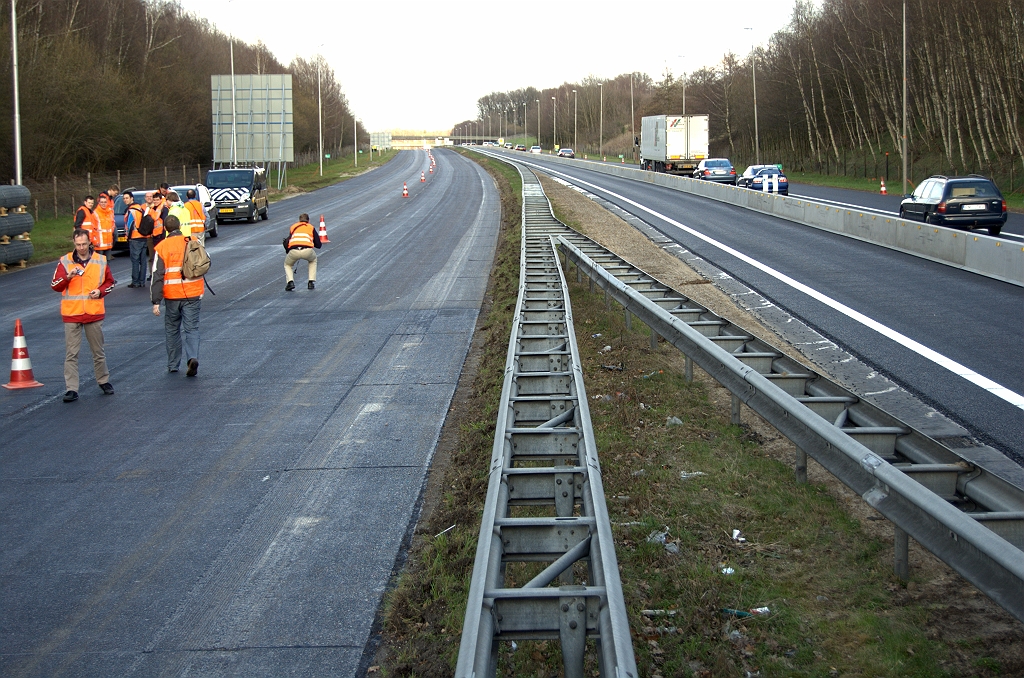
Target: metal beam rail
(970,519)
(545,498)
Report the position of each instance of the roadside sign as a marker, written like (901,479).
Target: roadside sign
(327,155)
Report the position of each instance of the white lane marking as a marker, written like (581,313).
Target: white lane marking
(862,208)
(998,390)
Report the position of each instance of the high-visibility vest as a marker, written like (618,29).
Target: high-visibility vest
(74,300)
(103,235)
(301,235)
(171,251)
(184,218)
(197,220)
(158,223)
(134,216)
(89,222)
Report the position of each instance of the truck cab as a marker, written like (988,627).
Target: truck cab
(238,193)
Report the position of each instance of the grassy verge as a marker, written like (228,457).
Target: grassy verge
(834,608)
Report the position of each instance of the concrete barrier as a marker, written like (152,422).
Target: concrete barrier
(975,252)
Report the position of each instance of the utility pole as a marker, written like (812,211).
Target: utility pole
(320,112)
(17,107)
(903,151)
(575,118)
(601,136)
(234,129)
(538,122)
(554,123)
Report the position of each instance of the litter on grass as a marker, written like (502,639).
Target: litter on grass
(728,570)
(674,421)
(738,538)
(661,537)
(613,368)
(686,475)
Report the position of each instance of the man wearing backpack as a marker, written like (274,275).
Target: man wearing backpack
(299,244)
(182,295)
(139,231)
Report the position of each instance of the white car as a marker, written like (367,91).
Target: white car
(204,198)
(534,149)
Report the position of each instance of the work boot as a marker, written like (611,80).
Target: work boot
(311,285)
(290,286)
(107,388)
(71,396)
(193,367)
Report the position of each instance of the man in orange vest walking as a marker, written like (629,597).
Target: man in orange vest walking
(182,298)
(302,238)
(83,279)
(85,217)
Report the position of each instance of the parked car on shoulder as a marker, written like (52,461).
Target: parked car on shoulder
(719,170)
(961,202)
(566,153)
(768,178)
(520,147)
(535,149)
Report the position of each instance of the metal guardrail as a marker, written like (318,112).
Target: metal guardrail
(970,519)
(545,499)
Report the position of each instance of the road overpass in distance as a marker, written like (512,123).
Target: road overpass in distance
(407,139)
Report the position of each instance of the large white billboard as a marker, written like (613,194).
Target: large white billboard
(262,116)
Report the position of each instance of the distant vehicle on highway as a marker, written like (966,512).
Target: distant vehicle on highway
(520,147)
(757,176)
(719,170)
(508,145)
(961,202)
(239,193)
(566,153)
(535,149)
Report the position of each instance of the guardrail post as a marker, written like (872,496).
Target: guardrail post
(654,339)
(688,370)
(629,319)
(579,274)
(901,561)
(591,279)
(607,301)
(801,465)
(735,418)
(573,632)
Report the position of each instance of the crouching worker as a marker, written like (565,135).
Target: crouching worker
(182,298)
(301,240)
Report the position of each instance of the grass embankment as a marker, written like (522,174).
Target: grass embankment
(51,238)
(834,606)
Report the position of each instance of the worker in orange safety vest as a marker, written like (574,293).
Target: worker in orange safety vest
(197,217)
(83,279)
(301,240)
(85,217)
(103,234)
(182,298)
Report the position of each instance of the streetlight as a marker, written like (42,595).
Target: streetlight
(903,150)
(753,76)
(575,118)
(538,121)
(600,145)
(554,122)
(17,108)
(320,110)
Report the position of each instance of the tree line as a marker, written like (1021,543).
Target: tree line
(111,84)
(829,93)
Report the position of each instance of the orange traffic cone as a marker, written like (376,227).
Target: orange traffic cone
(21,365)
(423,177)
(883,191)
(405,190)
(323,230)
(431,169)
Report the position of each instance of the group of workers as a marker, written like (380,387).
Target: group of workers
(163,226)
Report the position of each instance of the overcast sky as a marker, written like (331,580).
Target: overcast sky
(423,65)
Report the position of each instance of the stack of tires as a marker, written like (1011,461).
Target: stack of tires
(15,226)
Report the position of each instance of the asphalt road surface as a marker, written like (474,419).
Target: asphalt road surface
(968,318)
(247,521)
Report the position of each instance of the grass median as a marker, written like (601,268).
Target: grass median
(807,591)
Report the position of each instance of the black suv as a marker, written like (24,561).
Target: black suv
(963,202)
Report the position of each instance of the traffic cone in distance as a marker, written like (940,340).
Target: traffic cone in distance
(21,366)
(323,230)
(405,190)
(431,169)
(883,191)
(423,177)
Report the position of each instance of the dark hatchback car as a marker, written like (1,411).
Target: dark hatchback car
(716,169)
(768,178)
(961,202)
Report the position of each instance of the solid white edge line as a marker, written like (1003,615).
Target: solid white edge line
(844,204)
(998,390)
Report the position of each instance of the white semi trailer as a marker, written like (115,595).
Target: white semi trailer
(673,143)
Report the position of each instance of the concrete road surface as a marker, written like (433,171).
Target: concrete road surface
(246,521)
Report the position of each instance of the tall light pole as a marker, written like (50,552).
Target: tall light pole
(575,119)
(904,145)
(355,139)
(600,145)
(234,131)
(17,107)
(753,77)
(320,111)
(538,122)
(554,123)
(683,56)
